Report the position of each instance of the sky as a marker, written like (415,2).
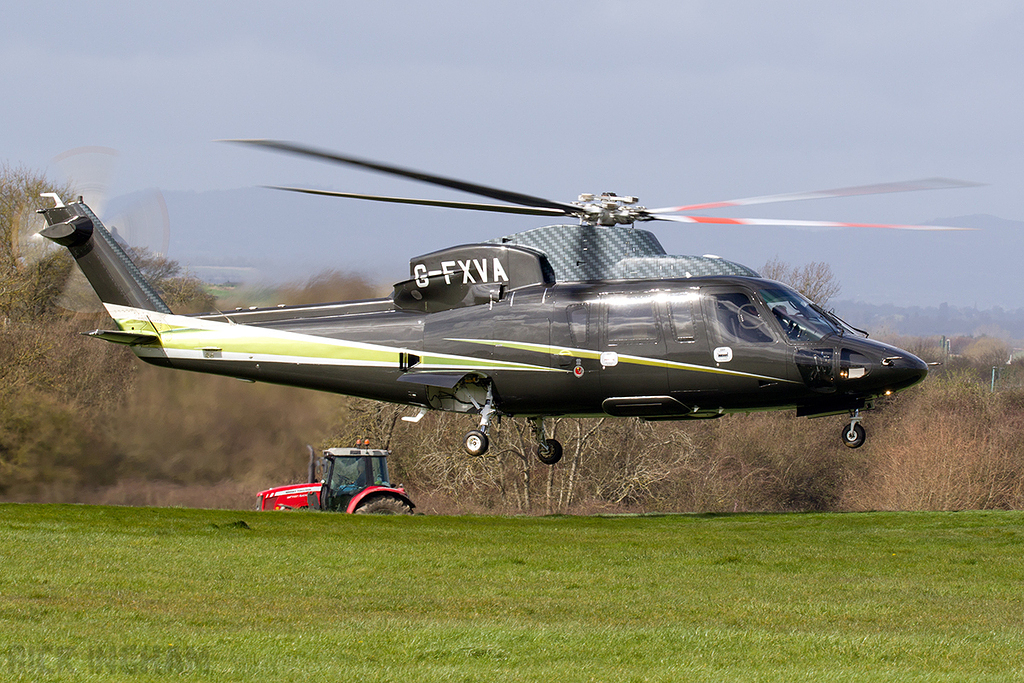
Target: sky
(676,101)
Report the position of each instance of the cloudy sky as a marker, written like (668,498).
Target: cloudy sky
(677,101)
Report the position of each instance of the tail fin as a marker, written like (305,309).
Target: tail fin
(110,271)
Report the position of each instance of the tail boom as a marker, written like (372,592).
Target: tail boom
(110,271)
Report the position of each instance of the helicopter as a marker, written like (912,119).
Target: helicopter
(586,319)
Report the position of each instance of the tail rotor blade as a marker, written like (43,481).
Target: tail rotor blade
(144,223)
(89,169)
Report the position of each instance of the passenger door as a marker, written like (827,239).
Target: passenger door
(743,342)
(633,346)
(686,340)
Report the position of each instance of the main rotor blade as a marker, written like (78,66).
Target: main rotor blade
(498,208)
(881,188)
(473,188)
(796,223)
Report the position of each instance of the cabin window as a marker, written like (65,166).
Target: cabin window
(737,319)
(680,309)
(579,319)
(631,320)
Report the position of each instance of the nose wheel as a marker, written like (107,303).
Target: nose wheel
(475,442)
(853,434)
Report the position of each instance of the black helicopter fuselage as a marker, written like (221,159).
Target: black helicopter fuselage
(658,349)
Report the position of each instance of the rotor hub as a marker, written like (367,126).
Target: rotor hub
(609,209)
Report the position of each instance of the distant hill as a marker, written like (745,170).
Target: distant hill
(932,320)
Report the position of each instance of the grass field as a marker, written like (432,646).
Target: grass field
(101,593)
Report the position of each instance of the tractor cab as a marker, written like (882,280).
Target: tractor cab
(345,472)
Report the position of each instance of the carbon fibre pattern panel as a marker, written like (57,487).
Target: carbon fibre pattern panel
(582,253)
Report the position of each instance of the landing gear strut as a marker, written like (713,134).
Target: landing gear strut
(853,434)
(549,451)
(475,441)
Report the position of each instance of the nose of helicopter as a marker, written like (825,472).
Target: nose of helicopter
(873,368)
(902,370)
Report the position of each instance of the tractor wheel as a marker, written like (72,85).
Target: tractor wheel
(384,505)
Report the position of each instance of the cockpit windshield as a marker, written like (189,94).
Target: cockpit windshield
(797,316)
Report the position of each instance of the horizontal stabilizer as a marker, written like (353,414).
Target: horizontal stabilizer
(131,338)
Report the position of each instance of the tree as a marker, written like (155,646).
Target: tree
(814,280)
(32,274)
(988,351)
(182,292)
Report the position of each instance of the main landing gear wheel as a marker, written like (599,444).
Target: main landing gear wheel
(854,435)
(475,442)
(549,452)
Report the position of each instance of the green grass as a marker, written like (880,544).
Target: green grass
(99,593)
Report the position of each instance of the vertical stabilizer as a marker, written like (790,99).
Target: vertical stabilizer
(110,271)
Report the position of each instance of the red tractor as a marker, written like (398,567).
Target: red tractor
(343,480)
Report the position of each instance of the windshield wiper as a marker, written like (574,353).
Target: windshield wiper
(839,322)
